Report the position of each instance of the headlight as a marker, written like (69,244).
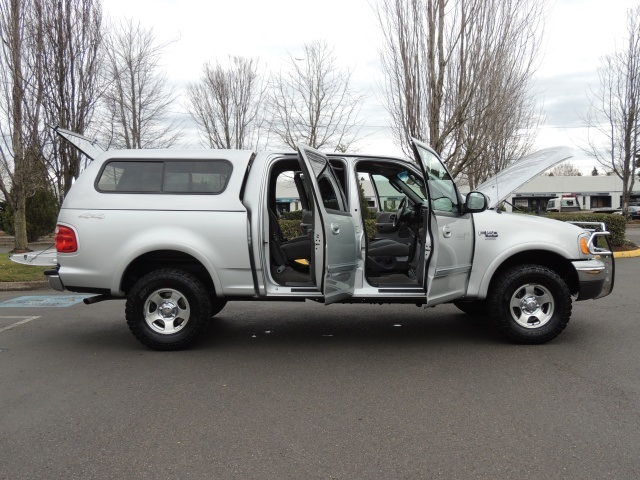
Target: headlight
(587,242)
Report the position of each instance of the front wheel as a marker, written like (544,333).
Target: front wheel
(168,309)
(530,304)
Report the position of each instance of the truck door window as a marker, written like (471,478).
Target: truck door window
(330,194)
(444,196)
(389,196)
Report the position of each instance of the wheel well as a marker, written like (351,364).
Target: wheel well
(164,259)
(551,260)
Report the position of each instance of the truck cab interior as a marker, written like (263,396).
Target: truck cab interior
(392,252)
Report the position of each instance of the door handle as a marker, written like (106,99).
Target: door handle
(335,228)
(446,231)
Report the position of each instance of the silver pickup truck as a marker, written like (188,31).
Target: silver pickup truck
(179,233)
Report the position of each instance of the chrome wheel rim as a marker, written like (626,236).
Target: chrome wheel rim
(166,311)
(532,305)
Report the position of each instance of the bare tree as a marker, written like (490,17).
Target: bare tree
(566,169)
(72,51)
(313,101)
(20,103)
(226,104)
(457,74)
(615,109)
(139,98)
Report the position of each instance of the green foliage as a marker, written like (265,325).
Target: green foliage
(370,225)
(42,212)
(616,224)
(293,215)
(291,228)
(366,213)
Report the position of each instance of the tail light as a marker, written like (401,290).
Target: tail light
(66,241)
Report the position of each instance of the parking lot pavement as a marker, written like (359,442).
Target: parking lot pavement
(301,390)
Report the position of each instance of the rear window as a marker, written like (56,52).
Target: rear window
(192,176)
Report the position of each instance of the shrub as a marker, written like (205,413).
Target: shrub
(42,213)
(291,228)
(616,224)
(293,215)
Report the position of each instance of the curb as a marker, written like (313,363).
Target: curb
(628,254)
(23,286)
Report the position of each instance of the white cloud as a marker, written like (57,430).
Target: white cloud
(578,34)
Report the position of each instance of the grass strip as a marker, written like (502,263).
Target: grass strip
(14,272)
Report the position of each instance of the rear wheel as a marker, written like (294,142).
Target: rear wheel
(168,309)
(530,304)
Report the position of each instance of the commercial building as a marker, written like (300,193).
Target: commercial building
(592,192)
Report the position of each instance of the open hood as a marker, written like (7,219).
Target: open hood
(87,146)
(501,186)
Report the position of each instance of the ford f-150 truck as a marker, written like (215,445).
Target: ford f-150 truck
(179,233)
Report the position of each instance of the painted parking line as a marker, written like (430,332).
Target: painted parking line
(44,301)
(20,322)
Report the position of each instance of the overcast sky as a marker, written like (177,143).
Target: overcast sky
(578,34)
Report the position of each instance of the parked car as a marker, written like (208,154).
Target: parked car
(566,203)
(179,233)
(634,212)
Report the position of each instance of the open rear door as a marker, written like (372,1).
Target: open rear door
(334,263)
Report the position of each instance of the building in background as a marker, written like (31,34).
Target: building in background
(592,192)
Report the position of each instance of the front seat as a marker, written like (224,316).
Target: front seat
(387,255)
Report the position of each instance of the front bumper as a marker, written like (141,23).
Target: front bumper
(595,277)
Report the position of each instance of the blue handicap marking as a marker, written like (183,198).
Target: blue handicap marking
(44,301)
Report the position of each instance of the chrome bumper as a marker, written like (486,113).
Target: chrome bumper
(595,277)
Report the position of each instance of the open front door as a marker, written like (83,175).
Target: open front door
(448,229)
(334,262)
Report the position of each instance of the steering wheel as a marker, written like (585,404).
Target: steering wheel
(400,212)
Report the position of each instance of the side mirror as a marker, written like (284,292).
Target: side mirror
(476,202)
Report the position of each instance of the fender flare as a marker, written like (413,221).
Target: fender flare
(494,266)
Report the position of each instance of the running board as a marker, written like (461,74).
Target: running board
(418,290)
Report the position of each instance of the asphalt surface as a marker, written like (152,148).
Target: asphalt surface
(633,234)
(304,391)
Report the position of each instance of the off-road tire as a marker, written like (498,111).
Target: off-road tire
(513,299)
(181,288)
